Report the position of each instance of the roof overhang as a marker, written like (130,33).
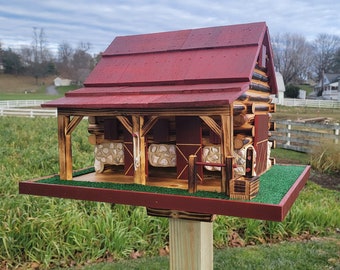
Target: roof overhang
(152,97)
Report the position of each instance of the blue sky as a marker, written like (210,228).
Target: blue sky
(99,22)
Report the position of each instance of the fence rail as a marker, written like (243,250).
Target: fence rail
(28,112)
(315,103)
(20,103)
(302,137)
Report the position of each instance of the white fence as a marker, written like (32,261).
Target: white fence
(303,137)
(25,108)
(21,103)
(316,103)
(28,112)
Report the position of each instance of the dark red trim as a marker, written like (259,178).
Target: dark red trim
(245,209)
(288,200)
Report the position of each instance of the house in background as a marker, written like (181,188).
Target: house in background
(62,82)
(280,87)
(329,87)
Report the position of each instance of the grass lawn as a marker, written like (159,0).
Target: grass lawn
(317,253)
(14,87)
(300,112)
(19,84)
(56,232)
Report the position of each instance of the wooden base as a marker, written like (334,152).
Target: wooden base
(180,215)
(245,209)
(191,244)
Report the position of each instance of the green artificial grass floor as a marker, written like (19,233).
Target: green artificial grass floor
(274,185)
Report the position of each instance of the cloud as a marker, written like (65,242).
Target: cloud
(98,22)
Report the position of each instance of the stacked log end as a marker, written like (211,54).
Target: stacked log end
(255,101)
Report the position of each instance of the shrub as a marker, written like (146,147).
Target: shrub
(292,91)
(325,158)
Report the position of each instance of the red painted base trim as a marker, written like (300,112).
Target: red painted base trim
(243,209)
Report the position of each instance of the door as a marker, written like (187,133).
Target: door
(188,142)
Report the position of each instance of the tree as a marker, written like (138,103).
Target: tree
(325,52)
(82,62)
(292,57)
(11,62)
(337,62)
(39,46)
(1,56)
(65,55)
(26,55)
(75,64)
(41,58)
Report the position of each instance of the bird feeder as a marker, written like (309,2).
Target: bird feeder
(180,123)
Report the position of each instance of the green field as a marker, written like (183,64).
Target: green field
(25,87)
(53,233)
(50,233)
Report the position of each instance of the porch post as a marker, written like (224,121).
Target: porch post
(227,147)
(65,148)
(138,150)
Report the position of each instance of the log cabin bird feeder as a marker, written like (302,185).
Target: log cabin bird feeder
(185,110)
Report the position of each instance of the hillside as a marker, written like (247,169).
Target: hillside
(20,84)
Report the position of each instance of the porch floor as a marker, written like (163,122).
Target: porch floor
(160,177)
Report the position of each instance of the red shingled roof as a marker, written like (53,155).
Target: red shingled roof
(192,68)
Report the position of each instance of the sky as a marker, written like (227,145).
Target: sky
(99,22)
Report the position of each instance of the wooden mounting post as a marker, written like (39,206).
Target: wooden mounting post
(191,244)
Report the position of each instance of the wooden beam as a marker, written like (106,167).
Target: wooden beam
(125,122)
(65,148)
(73,124)
(212,124)
(138,150)
(143,161)
(191,244)
(146,112)
(227,147)
(148,125)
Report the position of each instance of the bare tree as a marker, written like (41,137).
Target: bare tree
(82,62)
(65,52)
(1,58)
(42,64)
(65,55)
(39,46)
(84,46)
(337,61)
(26,55)
(75,64)
(325,50)
(292,57)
